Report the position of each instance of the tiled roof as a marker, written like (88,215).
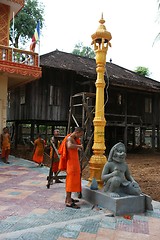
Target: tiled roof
(86,67)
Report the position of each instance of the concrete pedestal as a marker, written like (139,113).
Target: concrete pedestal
(126,204)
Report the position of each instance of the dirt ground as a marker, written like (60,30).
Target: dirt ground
(144,167)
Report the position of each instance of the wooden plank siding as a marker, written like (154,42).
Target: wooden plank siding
(37,94)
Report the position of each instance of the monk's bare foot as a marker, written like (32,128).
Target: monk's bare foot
(72,205)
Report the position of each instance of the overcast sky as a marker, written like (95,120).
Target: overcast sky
(132,24)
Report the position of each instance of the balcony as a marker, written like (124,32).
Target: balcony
(15,6)
(20,66)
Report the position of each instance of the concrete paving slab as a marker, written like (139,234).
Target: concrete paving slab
(28,210)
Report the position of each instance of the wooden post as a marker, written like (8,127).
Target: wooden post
(158,140)
(125,119)
(32,130)
(16,135)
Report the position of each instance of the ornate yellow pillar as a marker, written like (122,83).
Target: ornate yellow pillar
(100,40)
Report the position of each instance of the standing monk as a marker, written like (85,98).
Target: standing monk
(73,170)
(38,151)
(54,157)
(6,144)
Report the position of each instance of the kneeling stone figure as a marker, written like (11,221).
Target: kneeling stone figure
(116,175)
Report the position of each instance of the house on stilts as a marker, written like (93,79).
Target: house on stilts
(64,97)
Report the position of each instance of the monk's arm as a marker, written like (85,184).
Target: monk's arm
(9,137)
(73,145)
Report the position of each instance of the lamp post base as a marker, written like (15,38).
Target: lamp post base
(96,165)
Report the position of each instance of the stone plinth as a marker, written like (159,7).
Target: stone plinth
(126,204)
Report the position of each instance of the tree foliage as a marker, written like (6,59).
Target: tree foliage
(25,22)
(143,71)
(83,51)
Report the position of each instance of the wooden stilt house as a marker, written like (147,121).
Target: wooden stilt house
(65,97)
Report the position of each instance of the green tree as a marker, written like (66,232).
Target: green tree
(143,71)
(83,51)
(25,22)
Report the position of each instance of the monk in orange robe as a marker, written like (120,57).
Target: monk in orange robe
(38,151)
(73,170)
(6,144)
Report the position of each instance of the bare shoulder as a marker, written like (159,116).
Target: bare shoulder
(69,139)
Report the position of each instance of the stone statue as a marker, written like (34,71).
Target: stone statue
(116,176)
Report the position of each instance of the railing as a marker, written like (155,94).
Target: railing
(18,56)
(21,2)
(121,118)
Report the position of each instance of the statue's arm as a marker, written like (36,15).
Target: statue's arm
(106,174)
(128,175)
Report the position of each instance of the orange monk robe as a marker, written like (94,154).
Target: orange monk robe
(73,179)
(6,145)
(39,151)
(63,154)
(69,161)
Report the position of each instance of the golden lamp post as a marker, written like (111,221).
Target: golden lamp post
(101,40)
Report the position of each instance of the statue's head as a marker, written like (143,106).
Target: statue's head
(117,153)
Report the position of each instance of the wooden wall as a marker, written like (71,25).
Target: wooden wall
(125,108)
(37,105)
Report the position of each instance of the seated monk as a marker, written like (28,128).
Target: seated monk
(116,176)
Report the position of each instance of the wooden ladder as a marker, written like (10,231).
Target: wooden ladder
(81,113)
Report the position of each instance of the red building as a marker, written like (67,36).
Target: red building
(13,71)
